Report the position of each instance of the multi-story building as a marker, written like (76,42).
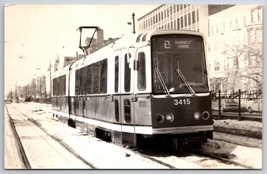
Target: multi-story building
(176,16)
(235,48)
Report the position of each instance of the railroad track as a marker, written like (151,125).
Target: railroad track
(17,139)
(35,125)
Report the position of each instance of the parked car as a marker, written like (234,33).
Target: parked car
(229,105)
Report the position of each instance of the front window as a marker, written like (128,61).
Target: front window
(178,64)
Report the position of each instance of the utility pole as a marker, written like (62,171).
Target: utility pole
(133,23)
(129,23)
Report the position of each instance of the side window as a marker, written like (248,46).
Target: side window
(77,82)
(96,78)
(116,73)
(117,112)
(60,86)
(64,85)
(83,80)
(127,75)
(89,80)
(127,110)
(103,76)
(55,87)
(142,71)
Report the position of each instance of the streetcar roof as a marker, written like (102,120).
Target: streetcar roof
(126,42)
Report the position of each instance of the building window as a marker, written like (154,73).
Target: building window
(258,35)
(216,46)
(185,20)
(236,23)
(253,15)
(251,35)
(259,13)
(182,22)
(193,17)
(197,15)
(244,21)
(216,66)
(189,18)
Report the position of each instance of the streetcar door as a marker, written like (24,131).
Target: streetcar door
(117,135)
(127,77)
(70,94)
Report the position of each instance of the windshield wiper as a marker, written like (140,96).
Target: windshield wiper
(163,84)
(184,79)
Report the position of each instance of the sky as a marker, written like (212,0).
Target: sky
(34,34)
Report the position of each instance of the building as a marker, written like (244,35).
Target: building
(192,17)
(235,48)
(176,16)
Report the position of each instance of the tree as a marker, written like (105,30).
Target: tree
(246,66)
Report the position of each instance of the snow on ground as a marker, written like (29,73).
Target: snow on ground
(241,125)
(109,156)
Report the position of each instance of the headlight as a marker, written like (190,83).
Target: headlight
(205,115)
(160,118)
(197,115)
(169,117)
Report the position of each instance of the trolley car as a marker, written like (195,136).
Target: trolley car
(147,85)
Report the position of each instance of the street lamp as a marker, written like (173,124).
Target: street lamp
(129,23)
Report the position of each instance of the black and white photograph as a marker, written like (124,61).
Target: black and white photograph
(133,86)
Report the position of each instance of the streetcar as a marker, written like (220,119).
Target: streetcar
(152,85)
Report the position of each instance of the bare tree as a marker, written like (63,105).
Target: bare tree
(251,57)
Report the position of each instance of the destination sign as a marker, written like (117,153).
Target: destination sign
(176,43)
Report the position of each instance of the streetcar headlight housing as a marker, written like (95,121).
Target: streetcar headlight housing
(197,115)
(169,117)
(205,115)
(159,118)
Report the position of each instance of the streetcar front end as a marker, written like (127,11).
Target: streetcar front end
(180,100)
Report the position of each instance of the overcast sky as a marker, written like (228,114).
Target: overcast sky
(34,34)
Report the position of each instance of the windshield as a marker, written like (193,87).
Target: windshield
(178,64)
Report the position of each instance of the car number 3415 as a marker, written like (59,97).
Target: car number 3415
(182,101)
